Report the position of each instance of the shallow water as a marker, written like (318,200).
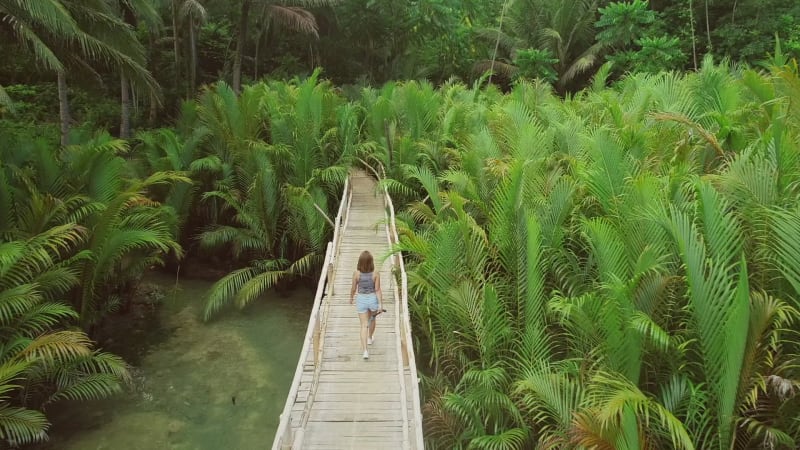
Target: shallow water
(219,385)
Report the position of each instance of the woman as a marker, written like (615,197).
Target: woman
(370,299)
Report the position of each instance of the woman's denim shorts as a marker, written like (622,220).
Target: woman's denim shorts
(365,302)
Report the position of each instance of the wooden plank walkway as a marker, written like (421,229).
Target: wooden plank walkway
(339,400)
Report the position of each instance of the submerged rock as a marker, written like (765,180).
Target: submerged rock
(175,426)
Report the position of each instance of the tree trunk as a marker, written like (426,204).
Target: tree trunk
(125,108)
(63,107)
(151,119)
(708,29)
(255,59)
(175,45)
(241,35)
(153,110)
(694,43)
(261,50)
(193,44)
(497,43)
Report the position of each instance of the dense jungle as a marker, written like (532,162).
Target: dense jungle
(598,204)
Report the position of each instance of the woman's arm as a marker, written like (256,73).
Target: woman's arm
(354,287)
(378,291)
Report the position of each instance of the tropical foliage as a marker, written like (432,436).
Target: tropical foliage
(76,231)
(41,362)
(276,162)
(616,270)
(76,35)
(248,179)
(168,50)
(591,267)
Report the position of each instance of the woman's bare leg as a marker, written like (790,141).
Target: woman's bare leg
(363,317)
(372,326)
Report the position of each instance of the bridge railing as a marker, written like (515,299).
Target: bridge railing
(406,349)
(311,342)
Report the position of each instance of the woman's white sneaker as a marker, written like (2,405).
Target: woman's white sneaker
(370,341)
(365,355)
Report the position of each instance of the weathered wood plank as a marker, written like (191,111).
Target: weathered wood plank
(350,415)
(345,364)
(377,387)
(351,398)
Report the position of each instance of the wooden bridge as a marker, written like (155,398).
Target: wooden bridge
(339,400)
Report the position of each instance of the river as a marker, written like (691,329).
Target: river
(217,385)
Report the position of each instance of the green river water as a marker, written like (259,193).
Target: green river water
(218,385)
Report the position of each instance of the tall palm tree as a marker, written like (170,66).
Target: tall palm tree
(186,17)
(193,14)
(293,16)
(131,12)
(61,33)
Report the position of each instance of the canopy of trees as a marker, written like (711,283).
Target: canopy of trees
(133,61)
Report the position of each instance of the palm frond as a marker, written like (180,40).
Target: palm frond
(257,286)
(88,387)
(513,438)
(716,297)
(616,398)
(56,346)
(193,8)
(15,301)
(786,247)
(294,18)
(588,59)
(552,398)
(503,68)
(22,425)
(42,317)
(226,289)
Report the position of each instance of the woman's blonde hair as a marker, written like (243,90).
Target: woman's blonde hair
(365,264)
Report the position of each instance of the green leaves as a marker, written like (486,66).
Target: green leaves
(22,425)
(624,22)
(618,401)
(638,276)
(275,167)
(719,298)
(36,355)
(58,32)
(785,226)
(616,269)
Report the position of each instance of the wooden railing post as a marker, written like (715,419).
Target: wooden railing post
(331,280)
(344,207)
(286,437)
(315,341)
